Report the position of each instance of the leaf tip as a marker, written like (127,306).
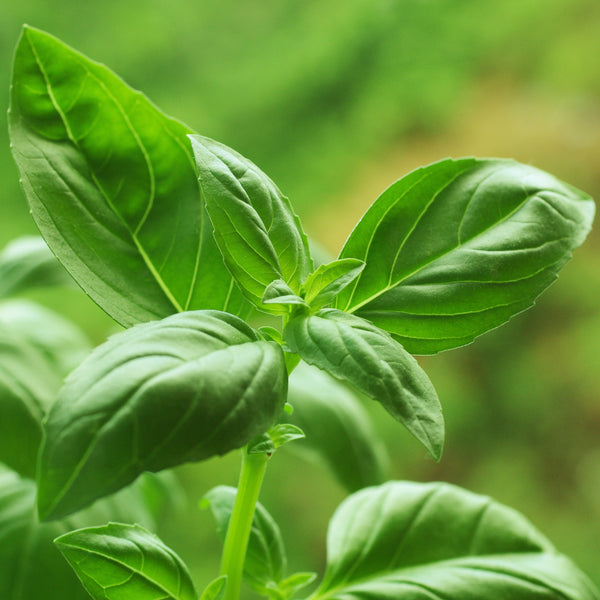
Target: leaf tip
(437,451)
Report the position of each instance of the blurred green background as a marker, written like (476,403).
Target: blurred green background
(335,100)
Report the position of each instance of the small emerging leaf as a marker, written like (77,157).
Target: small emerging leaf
(293,584)
(265,557)
(191,386)
(256,229)
(272,334)
(276,437)
(215,589)
(351,349)
(322,286)
(434,541)
(278,292)
(125,561)
(284,433)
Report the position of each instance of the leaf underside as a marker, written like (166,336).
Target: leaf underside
(456,248)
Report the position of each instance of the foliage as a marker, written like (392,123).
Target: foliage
(445,254)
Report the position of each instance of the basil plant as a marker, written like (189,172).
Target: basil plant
(189,246)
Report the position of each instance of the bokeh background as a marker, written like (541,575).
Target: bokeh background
(335,100)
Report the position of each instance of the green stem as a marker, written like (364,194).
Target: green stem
(238,532)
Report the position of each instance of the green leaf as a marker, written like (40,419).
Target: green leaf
(277,436)
(355,351)
(192,386)
(265,557)
(112,187)
(278,292)
(37,348)
(322,286)
(28,384)
(291,585)
(284,433)
(456,248)
(215,589)
(256,229)
(59,341)
(27,263)
(125,561)
(436,541)
(339,431)
(31,566)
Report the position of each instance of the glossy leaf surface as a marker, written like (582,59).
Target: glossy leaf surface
(256,229)
(265,556)
(351,349)
(118,561)
(458,247)
(191,386)
(336,425)
(31,566)
(438,542)
(112,187)
(27,263)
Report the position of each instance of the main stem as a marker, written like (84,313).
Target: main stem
(238,532)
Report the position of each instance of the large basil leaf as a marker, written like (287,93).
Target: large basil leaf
(352,349)
(118,561)
(191,386)
(30,566)
(436,541)
(458,247)
(265,557)
(27,263)
(28,384)
(336,425)
(256,229)
(112,186)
